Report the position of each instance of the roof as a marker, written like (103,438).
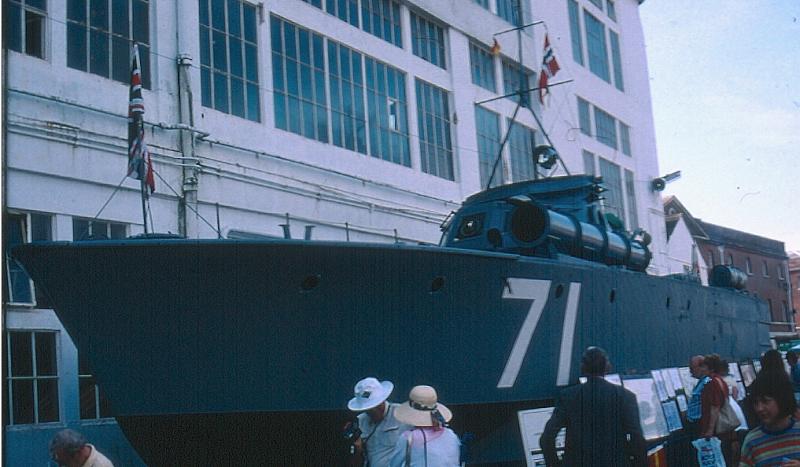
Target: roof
(732,237)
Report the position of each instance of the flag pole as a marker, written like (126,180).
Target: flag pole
(142,192)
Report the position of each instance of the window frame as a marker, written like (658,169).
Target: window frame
(419,22)
(22,28)
(35,378)
(488,148)
(598,67)
(109,233)
(101,404)
(516,155)
(481,71)
(617,209)
(27,219)
(433,113)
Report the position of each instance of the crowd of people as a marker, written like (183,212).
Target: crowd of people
(601,419)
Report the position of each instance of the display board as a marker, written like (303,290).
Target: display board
(689,381)
(748,373)
(683,404)
(661,385)
(531,426)
(675,377)
(672,416)
(613,378)
(651,414)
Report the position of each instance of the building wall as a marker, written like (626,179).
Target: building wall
(65,133)
(683,252)
(794,283)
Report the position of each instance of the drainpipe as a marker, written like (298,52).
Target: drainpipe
(188,221)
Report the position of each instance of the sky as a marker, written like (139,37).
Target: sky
(725,84)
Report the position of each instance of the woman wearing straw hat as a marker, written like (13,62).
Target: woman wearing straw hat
(430,443)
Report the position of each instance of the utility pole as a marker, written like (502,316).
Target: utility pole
(187,204)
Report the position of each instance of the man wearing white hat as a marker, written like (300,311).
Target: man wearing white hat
(430,443)
(380,429)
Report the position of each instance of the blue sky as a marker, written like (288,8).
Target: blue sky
(725,82)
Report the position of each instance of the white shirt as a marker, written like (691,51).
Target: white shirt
(442,448)
(97,459)
(380,438)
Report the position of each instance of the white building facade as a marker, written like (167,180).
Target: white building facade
(340,119)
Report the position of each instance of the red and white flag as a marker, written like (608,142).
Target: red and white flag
(140,166)
(549,69)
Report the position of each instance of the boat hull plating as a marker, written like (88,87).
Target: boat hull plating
(179,327)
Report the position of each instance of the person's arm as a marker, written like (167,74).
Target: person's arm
(548,439)
(631,425)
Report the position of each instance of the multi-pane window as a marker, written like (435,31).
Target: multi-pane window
(229,58)
(19,229)
(575,31)
(85,229)
(24,22)
(605,128)
(630,192)
(596,44)
(616,60)
(510,10)
(482,67)
(298,76)
(31,377)
(387,110)
(433,121)
(521,142)
(611,10)
(427,39)
(487,126)
(613,184)
(511,81)
(584,117)
(345,10)
(381,18)
(348,120)
(588,162)
(93,403)
(625,138)
(100,35)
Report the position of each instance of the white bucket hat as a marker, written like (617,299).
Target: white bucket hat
(369,393)
(422,408)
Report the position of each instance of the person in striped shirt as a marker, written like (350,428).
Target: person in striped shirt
(776,442)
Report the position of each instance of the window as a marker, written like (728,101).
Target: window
(510,10)
(85,229)
(606,128)
(32,377)
(427,40)
(511,81)
(433,122)
(598,4)
(229,58)
(483,3)
(381,18)
(625,138)
(100,34)
(611,180)
(24,22)
(388,114)
(596,41)
(18,287)
(584,118)
(345,10)
(93,403)
(616,60)
(780,272)
(764,269)
(588,163)
(316,3)
(611,10)
(298,77)
(748,266)
(521,142)
(348,120)
(630,192)
(487,125)
(730,260)
(482,67)
(575,31)
(711,258)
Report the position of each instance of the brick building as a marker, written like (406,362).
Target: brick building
(763,259)
(794,283)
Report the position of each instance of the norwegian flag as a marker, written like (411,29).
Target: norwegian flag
(549,69)
(140,166)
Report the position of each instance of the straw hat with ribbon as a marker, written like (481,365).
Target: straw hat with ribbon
(423,409)
(369,393)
